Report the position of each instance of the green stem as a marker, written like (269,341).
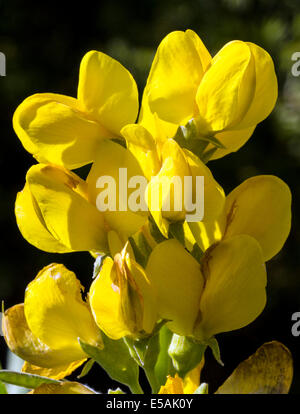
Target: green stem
(151,377)
(136,389)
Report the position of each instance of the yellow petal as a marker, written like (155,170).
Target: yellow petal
(41,359)
(57,372)
(53,129)
(122,300)
(232,140)
(32,225)
(174,385)
(214,196)
(227,87)
(175,75)
(268,371)
(192,379)
(234,293)
(107,91)
(178,285)
(68,215)
(105,302)
(260,207)
(266,89)
(125,223)
(62,388)
(56,313)
(143,146)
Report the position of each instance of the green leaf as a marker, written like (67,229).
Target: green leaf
(186,354)
(22,379)
(116,360)
(86,368)
(116,391)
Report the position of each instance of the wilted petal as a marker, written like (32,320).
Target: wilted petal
(268,371)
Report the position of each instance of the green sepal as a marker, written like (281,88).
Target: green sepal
(185,353)
(163,366)
(214,346)
(22,379)
(98,265)
(154,230)
(86,368)
(141,248)
(116,360)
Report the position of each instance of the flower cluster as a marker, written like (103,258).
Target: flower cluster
(163,286)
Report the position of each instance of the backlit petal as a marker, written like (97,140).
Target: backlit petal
(234,293)
(56,313)
(107,91)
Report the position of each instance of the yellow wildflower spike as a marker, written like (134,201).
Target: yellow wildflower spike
(268,371)
(56,313)
(66,131)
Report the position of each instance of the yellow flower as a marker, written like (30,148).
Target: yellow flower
(122,299)
(44,331)
(268,371)
(224,293)
(163,163)
(259,207)
(227,95)
(56,211)
(66,131)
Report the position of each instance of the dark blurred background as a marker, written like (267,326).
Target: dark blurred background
(44,44)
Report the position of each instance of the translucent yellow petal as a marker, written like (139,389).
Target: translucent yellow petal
(227,87)
(214,196)
(268,371)
(178,285)
(56,313)
(53,129)
(107,91)
(105,302)
(143,146)
(68,215)
(174,385)
(175,75)
(266,88)
(234,293)
(22,342)
(109,160)
(232,140)
(32,225)
(260,207)
(58,372)
(208,233)
(62,388)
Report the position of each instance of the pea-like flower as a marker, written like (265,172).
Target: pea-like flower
(259,207)
(44,331)
(122,299)
(223,293)
(227,95)
(57,212)
(173,172)
(66,131)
